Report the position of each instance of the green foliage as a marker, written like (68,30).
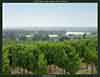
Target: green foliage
(5,61)
(72,63)
(36,56)
(42,63)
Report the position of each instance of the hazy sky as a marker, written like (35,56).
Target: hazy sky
(20,15)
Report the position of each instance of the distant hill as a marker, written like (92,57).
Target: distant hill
(67,29)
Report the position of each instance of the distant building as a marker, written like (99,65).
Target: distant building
(74,35)
(29,35)
(53,37)
(77,35)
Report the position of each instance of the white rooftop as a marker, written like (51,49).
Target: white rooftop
(74,33)
(53,35)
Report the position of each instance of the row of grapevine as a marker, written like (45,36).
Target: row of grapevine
(37,56)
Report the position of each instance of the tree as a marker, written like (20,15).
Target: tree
(72,61)
(42,63)
(5,64)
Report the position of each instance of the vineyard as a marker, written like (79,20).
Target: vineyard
(36,57)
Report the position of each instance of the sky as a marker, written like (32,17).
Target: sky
(25,15)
